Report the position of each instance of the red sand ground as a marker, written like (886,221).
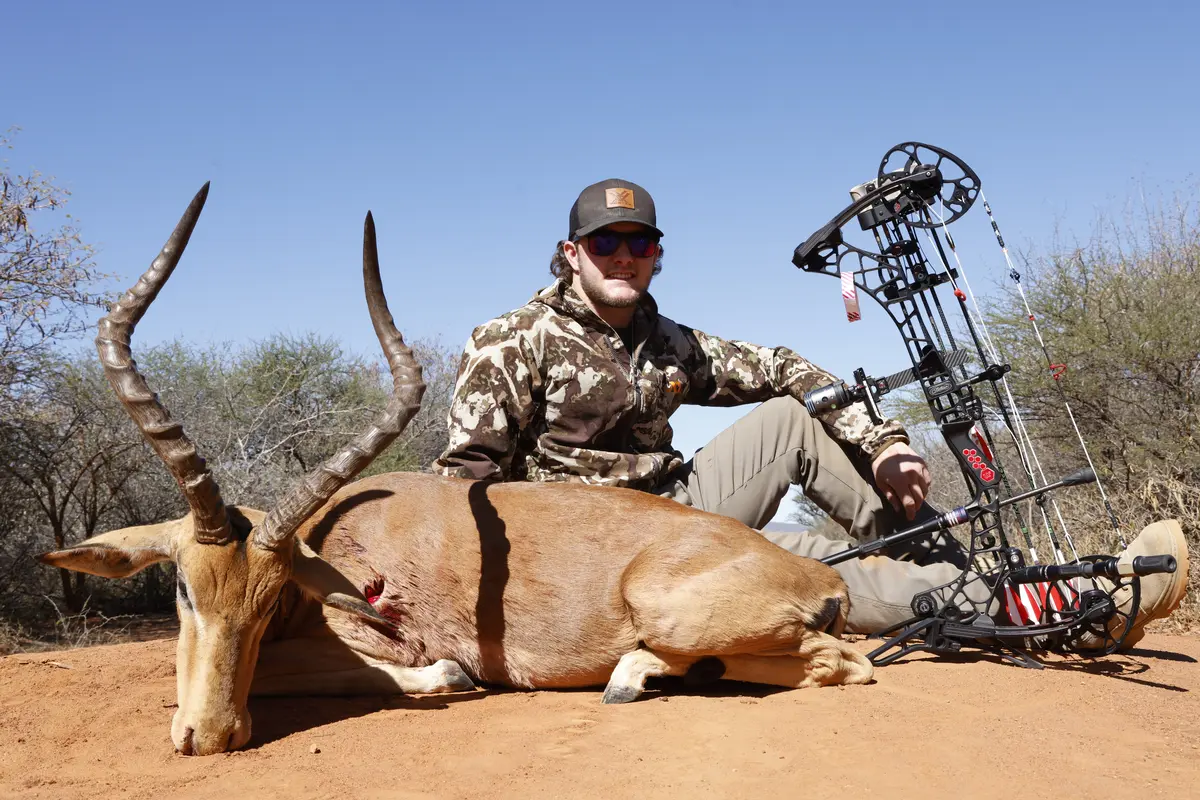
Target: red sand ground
(94,723)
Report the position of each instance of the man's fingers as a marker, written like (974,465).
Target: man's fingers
(903,501)
(926,480)
(920,488)
(904,479)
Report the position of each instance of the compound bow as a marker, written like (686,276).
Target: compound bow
(1063,606)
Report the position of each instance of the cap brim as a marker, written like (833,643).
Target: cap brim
(595,226)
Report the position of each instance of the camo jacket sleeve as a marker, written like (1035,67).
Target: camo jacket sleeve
(493,400)
(726,373)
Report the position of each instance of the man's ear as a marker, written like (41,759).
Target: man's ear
(117,554)
(571,253)
(319,578)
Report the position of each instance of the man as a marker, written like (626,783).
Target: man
(579,384)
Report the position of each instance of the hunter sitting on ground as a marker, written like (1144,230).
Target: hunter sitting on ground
(579,383)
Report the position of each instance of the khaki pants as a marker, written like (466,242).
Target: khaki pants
(748,469)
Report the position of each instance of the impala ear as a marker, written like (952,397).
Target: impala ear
(117,554)
(319,578)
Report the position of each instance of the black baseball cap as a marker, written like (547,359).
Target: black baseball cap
(610,201)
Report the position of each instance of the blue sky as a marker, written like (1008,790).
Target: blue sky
(468,129)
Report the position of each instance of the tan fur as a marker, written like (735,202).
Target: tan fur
(536,585)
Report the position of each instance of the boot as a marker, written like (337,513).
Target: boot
(1161,593)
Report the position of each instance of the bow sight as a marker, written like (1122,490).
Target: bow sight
(868,390)
(1085,605)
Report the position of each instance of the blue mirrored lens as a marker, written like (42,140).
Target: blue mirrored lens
(641,246)
(604,243)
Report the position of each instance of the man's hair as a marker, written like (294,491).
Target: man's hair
(561,268)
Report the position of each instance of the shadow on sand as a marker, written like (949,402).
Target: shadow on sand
(1121,666)
(279,717)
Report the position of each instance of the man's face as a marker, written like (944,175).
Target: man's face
(617,280)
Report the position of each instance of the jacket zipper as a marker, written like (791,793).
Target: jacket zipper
(627,433)
(632,377)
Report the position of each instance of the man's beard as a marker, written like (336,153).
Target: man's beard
(601,294)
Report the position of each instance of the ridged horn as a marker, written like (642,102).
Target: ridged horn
(211,521)
(407,389)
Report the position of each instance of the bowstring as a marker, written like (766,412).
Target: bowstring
(1016,279)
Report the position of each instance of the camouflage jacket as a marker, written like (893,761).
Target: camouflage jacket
(549,392)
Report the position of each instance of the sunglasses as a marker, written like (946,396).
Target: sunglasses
(605,242)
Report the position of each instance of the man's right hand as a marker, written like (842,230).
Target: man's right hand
(903,477)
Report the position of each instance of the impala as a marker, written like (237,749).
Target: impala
(410,582)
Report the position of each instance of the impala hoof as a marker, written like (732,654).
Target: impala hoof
(455,677)
(620,694)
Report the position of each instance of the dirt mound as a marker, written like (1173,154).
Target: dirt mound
(94,723)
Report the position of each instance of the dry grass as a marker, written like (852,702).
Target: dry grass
(13,638)
(64,631)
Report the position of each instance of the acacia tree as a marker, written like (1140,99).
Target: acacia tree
(70,453)
(47,275)
(47,284)
(266,414)
(262,415)
(1120,313)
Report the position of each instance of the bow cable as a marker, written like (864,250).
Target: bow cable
(1016,424)
(987,352)
(1055,369)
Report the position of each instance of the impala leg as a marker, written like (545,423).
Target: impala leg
(826,660)
(325,666)
(628,679)
(799,671)
(442,676)
(829,660)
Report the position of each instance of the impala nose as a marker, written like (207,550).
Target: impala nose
(207,739)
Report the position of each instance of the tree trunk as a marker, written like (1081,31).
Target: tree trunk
(72,589)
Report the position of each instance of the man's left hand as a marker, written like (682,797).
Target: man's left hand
(903,477)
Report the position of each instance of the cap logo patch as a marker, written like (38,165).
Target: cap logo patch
(618,198)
